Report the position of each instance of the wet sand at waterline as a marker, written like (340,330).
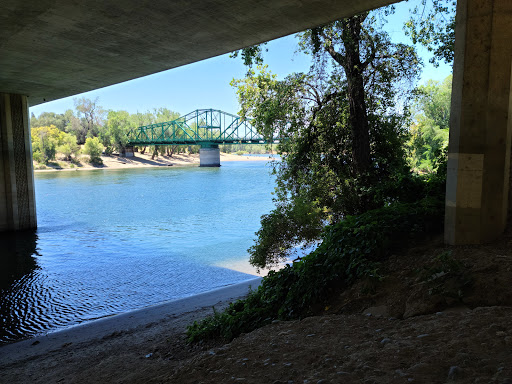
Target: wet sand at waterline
(131,347)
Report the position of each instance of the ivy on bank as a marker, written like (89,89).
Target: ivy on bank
(350,250)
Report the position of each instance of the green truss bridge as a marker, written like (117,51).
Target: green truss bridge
(205,127)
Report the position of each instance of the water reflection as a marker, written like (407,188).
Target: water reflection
(17,268)
(17,256)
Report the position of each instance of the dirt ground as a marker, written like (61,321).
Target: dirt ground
(440,314)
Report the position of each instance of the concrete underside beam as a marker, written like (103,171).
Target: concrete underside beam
(480,127)
(17,201)
(51,49)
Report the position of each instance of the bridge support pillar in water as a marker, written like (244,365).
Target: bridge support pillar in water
(477,190)
(17,199)
(209,156)
(128,152)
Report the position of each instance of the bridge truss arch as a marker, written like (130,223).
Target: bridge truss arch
(205,127)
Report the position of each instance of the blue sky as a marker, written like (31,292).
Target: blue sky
(205,84)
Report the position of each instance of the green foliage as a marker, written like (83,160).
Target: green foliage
(87,120)
(252,55)
(115,134)
(281,229)
(93,148)
(350,250)
(45,141)
(68,146)
(428,144)
(244,148)
(432,24)
(46,119)
(341,132)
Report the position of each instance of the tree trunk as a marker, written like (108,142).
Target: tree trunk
(356,96)
(171,149)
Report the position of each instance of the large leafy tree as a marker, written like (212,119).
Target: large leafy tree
(88,121)
(115,134)
(341,133)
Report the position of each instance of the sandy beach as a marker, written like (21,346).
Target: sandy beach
(140,161)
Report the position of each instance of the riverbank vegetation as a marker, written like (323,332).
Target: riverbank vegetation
(84,134)
(363,166)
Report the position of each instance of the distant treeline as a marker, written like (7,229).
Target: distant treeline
(104,131)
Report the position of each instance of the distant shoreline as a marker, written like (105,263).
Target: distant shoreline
(141,161)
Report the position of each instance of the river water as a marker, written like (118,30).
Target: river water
(111,241)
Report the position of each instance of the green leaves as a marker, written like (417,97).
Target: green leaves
(351,249)
(432,24)
(428,144)
(93,148)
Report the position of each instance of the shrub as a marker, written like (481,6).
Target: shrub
(350,249)
(93,148)
(69,147)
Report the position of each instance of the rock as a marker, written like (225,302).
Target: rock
(385,341)
(420,368)
(380,311)
(454,372)
(420,303)
(399,372)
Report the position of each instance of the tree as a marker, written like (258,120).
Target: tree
(115,134)
(44,143)
(427,147)
(68,146)
(163,115)
(341,133)
(47,119)
(90,117)
(48,141)
(93,148)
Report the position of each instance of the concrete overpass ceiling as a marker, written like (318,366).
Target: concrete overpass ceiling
(51,49)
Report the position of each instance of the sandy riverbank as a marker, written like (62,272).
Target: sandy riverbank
(121,348)
(141,161)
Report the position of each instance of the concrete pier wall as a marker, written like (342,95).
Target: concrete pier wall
(209,157)
(480,127)
(17,198)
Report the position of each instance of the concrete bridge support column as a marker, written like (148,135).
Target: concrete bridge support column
(209,156)
(17,200)
(481,123)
